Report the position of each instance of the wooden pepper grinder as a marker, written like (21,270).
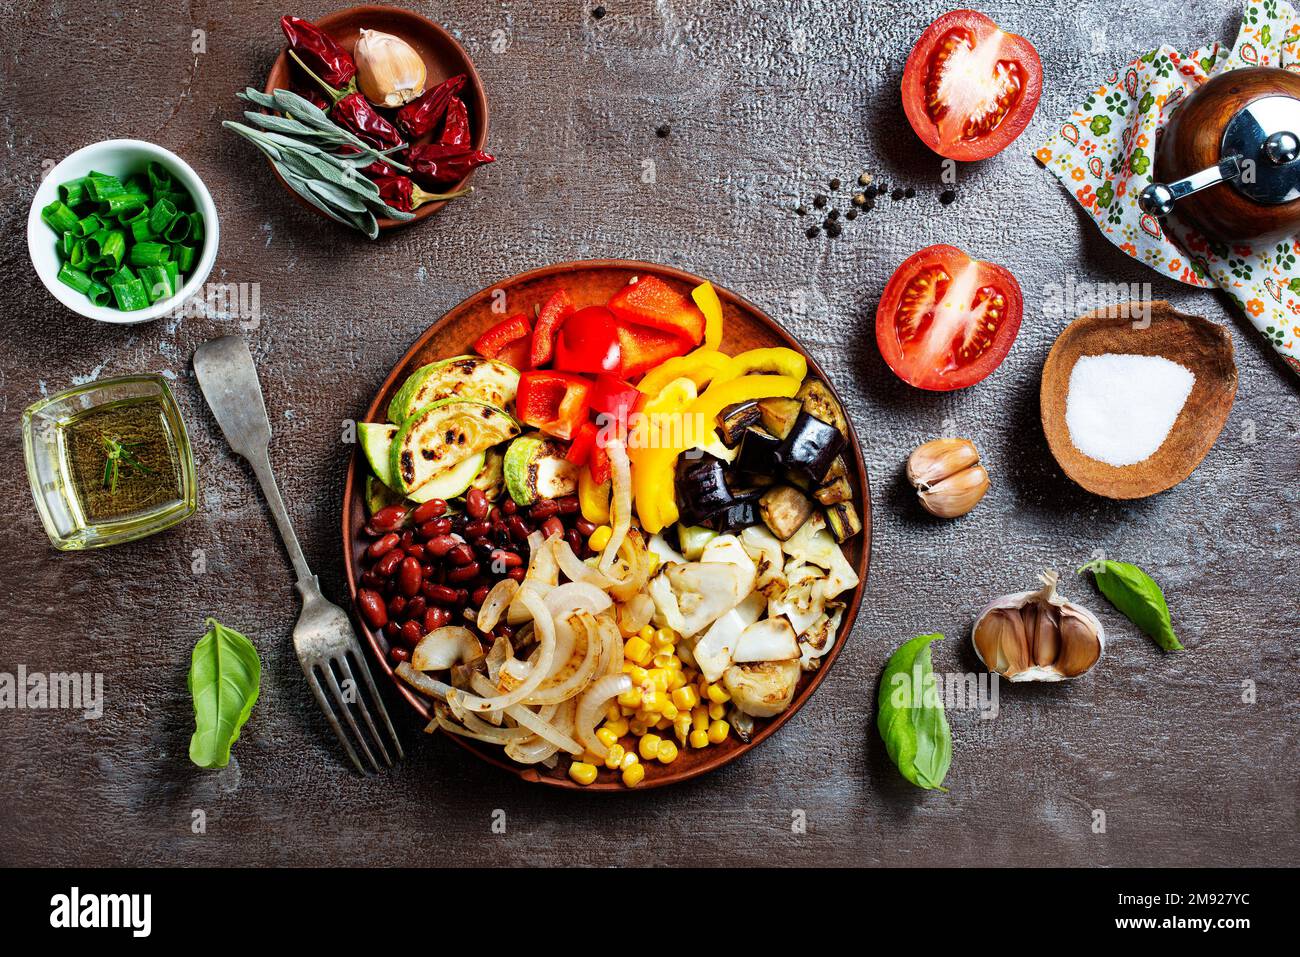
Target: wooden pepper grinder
(1229,161)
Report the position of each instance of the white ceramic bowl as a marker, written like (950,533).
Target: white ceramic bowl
(120,158)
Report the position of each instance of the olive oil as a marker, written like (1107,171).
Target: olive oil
(122,460)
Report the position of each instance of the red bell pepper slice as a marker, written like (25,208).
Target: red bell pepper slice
(613,400)
(584,442)
(588,342)
(598,464)
(644,348)
(549,320)
(554,402)
(517,354)
(652,302)
(492,342)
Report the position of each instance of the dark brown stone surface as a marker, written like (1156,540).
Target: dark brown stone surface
(765,103)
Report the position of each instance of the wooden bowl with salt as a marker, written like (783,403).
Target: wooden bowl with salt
(1120,333)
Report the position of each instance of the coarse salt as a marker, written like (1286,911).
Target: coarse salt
(1120,408)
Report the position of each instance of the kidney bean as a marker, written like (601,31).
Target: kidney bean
(392,630)
(416,607)
(440,545)
(464,573)
(518,574)
(429,568)
(408,538)
(584,527)
(479,595)
(409,577)
(435,527)
(567,505)
(442,594)
(415,551)
(396,605)
(509,506)
(371,580)
(507,559)
(372,608)
(387,565)
(462,554)
(576,541)
(388,519)
(552,526)
(411,633)
(462,597)
(434,508)
(436,618)
(484,547)
(476,503)
(478,529)
(543,510)
(399,654)
(503,631)
(519,529)
(381,547)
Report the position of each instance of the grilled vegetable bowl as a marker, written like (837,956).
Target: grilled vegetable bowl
(601,542)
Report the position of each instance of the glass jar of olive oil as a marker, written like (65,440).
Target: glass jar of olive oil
(109,462)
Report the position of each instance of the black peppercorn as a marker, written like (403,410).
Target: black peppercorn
(909,192)
(947,196)
(834,215)
(833,230)
(813,231)
(835,183)
(598,12)
(663,131)
(801,210)
(896,194)
(851,214)
(820,202)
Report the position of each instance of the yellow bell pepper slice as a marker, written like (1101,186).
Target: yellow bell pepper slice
(593,499)
(652,468)
(661,419)
(701,366)
(706,297)
(777,361)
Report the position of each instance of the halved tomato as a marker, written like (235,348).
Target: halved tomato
(946,321)
(969,89)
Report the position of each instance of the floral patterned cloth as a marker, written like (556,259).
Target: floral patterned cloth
(1104,154)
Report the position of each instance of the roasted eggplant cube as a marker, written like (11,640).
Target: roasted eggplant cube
(785,509)
(818,401)
(843,521)
(810,448)
(779,415)
(734,419)
(739,515)
(757,455)
(833,492)
(702,487)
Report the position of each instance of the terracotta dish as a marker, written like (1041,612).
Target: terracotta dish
(592,283)
(442,55)
(1201,346)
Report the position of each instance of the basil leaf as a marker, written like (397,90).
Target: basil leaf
(1138,597)
(910,715)
(225,676)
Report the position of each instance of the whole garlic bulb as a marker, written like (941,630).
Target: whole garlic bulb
(389,71)
(948,477)
(1038,635)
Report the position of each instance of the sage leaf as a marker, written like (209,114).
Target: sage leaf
(1138,598)
(224,679)
(910,717)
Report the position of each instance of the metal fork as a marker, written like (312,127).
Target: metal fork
(323,638)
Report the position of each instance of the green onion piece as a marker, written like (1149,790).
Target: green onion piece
(196,227)
(181,200)
(100,186)
(77,256)
(179,230)
(150,254)
(107,245)
(173,274)
(157,283)
(140,215)
(99,294)
(142,232)
(130,295)
(102,272)
(162,214)
(184,256)
(122,203)
(89,225)
(75,278)
(73,192)
(59,218)
(67,241)
(138,185)
(160,179)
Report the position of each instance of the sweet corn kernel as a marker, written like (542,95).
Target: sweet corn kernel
(718,694)
(659,678)
(600,538)
(718,732)
(631,698)
(647,633)
(669,710)
(667,662)
(666,636)
(667,752)
(629,759)
(700,717)
(582,772)
(648,746)
(686,698)
(638,674)
(618,727)
(682,727)
(676,680)
(637,728)
(612,711)
(606,737)
(638,650)
(717,711)
(663,724)
(699,739)
(614,757)
(633,775)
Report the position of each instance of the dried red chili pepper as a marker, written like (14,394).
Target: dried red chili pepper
(421,115)
(354,113)
(322,55)
(438,163)
(455,131)
(400,193)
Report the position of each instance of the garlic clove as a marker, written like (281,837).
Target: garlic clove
(389,71)
(937,460)
(957,494)
(1000,641)
(1045,638)
(1080,646)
